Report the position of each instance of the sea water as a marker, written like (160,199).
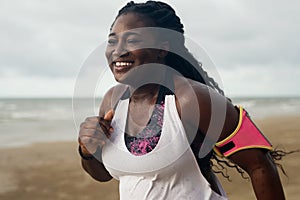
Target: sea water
(25,121)
(263,107)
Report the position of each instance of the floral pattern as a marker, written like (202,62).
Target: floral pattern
(147,139)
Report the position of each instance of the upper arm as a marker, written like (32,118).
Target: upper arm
(262,171)
(252,159)
(248,159)
(207,111)
(257,162)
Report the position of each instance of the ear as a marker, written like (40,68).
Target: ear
(164,49)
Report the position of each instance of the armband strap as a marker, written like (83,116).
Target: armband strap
(245,136)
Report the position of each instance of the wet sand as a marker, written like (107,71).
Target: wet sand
(52,170)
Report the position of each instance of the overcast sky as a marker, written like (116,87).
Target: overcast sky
(254,44)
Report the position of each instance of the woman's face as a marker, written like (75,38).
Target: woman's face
(127,45)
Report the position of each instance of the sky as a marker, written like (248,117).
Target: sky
(253,44)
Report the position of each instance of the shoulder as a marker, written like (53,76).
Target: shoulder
(193,103)
(187,90)
(191,93)
(204,107)
(111,98)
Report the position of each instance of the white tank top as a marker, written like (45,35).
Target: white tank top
(170,171)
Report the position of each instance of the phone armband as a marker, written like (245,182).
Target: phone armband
(245,136)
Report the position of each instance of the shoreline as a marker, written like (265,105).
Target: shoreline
(260,121)
(52,170)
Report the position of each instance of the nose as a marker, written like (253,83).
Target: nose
(120,50)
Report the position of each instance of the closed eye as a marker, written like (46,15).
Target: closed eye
(112,41)
(133,41)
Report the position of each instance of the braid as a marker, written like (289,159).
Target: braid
(161,13)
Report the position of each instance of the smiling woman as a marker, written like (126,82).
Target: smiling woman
(149,134)
(128,42)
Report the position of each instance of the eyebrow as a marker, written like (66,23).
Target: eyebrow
(125,34)
(111,34)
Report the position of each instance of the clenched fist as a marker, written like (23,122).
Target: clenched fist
(93,133)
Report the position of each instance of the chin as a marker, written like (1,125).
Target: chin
(120,78)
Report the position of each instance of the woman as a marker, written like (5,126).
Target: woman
(150,132)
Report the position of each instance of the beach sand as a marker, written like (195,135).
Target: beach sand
(52,170)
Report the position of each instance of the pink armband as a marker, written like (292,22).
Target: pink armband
(245,136)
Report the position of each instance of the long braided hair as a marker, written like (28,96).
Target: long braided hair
(164,16)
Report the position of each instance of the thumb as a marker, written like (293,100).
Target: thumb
(109,115)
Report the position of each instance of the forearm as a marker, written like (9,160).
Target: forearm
(96,170)
(266,183)
(262,171)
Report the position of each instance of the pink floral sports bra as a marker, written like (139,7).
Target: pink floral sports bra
(147,139)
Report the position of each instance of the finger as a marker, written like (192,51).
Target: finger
(97,129)
(84,140)
(107,120)
(90,143)
(88,149)
(105,126)
(92,119)
(89,125)
(90,133)
(109,115)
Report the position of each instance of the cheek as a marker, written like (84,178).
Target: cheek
(151,55)
(146,55)
(108,53)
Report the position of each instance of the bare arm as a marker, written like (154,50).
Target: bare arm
(262,171)
(256,162)
(92,137)
(89,141)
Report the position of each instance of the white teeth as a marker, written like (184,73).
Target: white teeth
(118,64)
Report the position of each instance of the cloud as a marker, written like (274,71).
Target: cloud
(249,32)
(261,80)
(50,40)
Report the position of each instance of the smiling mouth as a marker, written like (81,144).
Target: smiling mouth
(122,65)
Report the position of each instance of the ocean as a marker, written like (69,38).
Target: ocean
(26,121)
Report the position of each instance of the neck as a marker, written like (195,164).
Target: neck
(146,92)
